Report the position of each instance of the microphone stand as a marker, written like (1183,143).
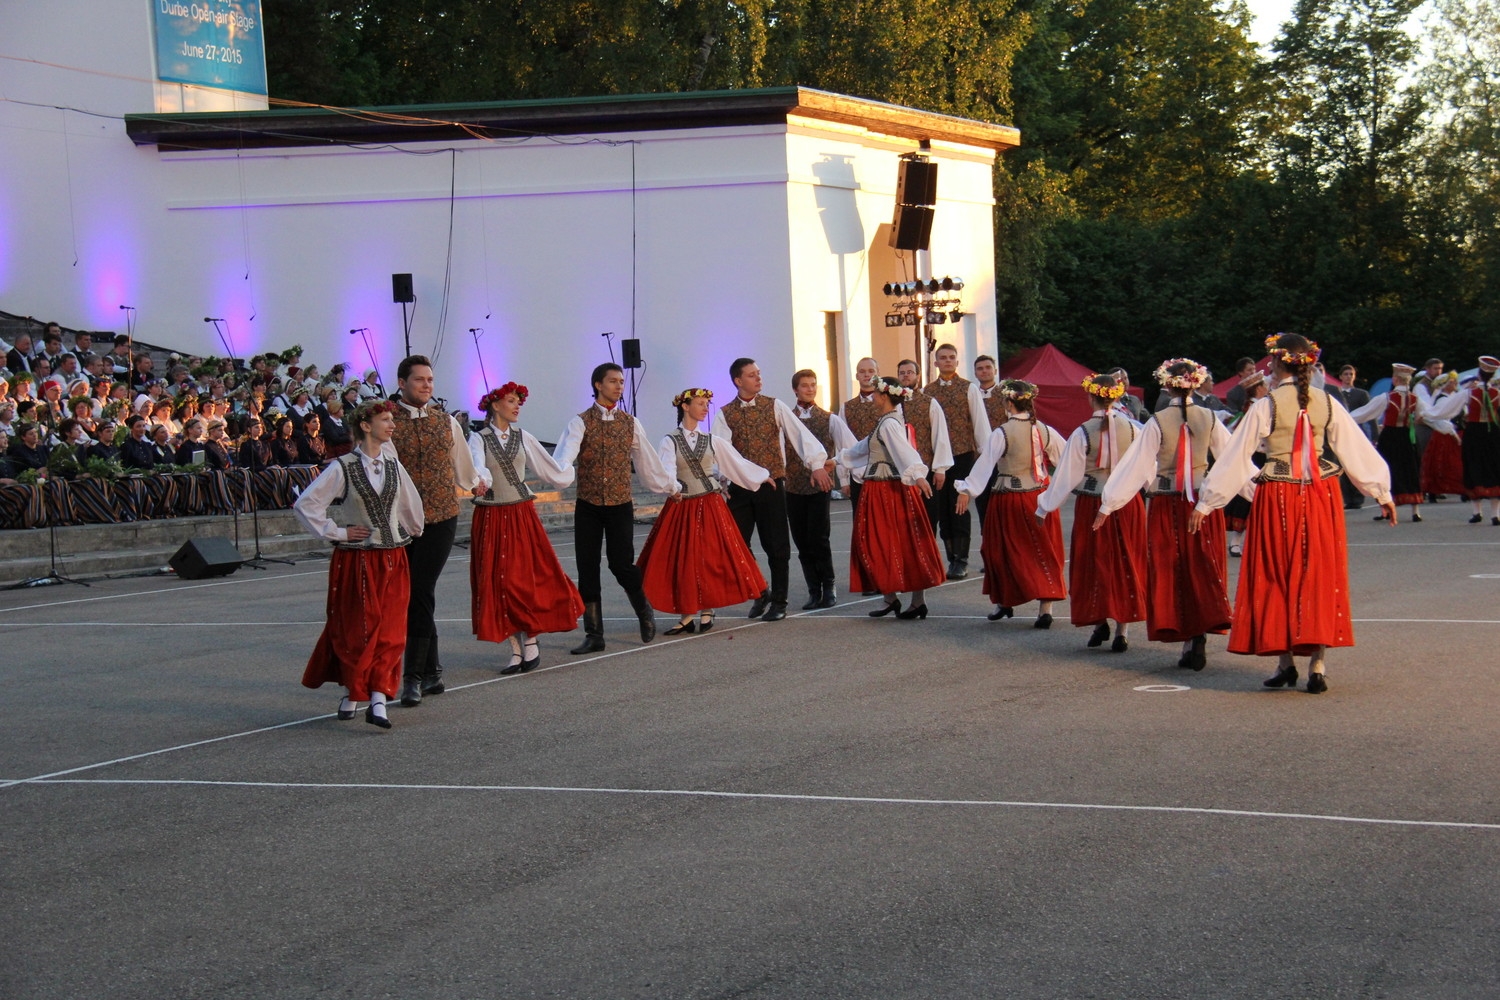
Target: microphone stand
(257,561)
(223,339)
(477,332)
(53,576)
(364,335)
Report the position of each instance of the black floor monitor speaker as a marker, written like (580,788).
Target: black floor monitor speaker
(912,227)
(401,288)
(201,558)
(630,353)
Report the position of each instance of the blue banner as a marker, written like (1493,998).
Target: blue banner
(214,43)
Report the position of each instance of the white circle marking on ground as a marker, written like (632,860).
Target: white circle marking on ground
(1162,688)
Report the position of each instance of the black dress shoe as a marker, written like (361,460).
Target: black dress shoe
(1416,518)
(688,627)
(1100,633)
(920,611)
(704,624)
(1196,657)
(411,692)
(957,570)
(1042,621)
(513,668)
(345,714)
(892,608)
(533,663)
(1119,645)
(376,720)
(869,593)
(813,601)
(433,687)
(1495,521)
(1316,684)
(758,607)
(1477,519)
(1001,612)
(830,597)
(775,612)
(1285,677)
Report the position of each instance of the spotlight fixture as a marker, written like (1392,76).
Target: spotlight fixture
(911,319)
(934,317)
(956,315)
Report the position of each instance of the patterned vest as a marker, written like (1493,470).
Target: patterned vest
(954,399)
(1483,405)
(1095,477)
(424,446)
(366,507)
(1279,464)
(798,475)
(693,464)
(994,408)
(1200,425)
(506,462)
(604,458)
(1014,472)
(861,417)
(1400,409)
(918,413)
(754,433)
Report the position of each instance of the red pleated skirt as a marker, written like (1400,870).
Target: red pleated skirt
(1443,466)
(892,549)
(1294,575)
(1106,568)
(1187,574)
(364,635)
(516,582)
(1023,556)
(695,558)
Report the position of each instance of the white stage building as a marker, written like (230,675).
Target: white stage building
(708,226)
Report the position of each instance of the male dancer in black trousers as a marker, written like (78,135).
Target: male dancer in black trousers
(431,446)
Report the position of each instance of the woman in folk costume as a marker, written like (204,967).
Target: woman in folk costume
(1442,459)
(1237,513)
(1479,402)
(1399,411)
(368,582)
(1023,556)
(1293,597)
(1187,595)
(517,586)
(892,548)
(695,559)
(1106,571)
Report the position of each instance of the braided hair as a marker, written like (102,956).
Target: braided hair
(1297,355)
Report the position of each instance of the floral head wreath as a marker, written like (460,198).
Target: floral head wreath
(1018,389)
(368,411)
(687,394)
(1191,379)
(891,387)
(1109,392)
(495,395)
(1291,358)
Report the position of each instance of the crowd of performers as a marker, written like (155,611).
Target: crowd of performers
(1149,540)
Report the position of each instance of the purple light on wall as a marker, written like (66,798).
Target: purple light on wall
(110,267)
(6,217)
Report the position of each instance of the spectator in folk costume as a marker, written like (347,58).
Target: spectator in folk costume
(968,423)
(1023,555)
(1187,593)
(368,578)
(1293,596)
(1479,402)
(1400,410)
(518,586)
(695,559)
(1106,569)
(892,549)
(1442,459)
(807,506)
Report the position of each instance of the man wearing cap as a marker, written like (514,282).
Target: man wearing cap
(1398,411)
(1479,402)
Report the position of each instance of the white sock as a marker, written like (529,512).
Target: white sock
(377,704)
(348,704)
(531,651)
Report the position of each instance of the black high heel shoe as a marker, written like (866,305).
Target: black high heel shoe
(1119,645)
(1099,635)
(1285,677)
(1316,684)
(892,608)
(919,611)
(1002,612)
(1042,621)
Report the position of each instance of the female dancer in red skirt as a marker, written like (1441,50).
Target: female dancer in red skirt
(892,548)
(1293,598)
(1399,411)
(1023,557)
(365,634)
(1106,573)
(1479,402)
(1188,594)
(695,559)
(518,587)
(1442,459)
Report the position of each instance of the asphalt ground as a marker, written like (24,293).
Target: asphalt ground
(828,806)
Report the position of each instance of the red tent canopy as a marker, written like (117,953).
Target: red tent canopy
(1223,385)
(1062,403)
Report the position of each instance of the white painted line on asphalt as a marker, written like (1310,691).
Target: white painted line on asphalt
(168,590)
(778,797)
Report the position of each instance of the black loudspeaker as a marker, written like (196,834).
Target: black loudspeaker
(630,353)
(916,183)
(912,227)
(401,288)
(201,558)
